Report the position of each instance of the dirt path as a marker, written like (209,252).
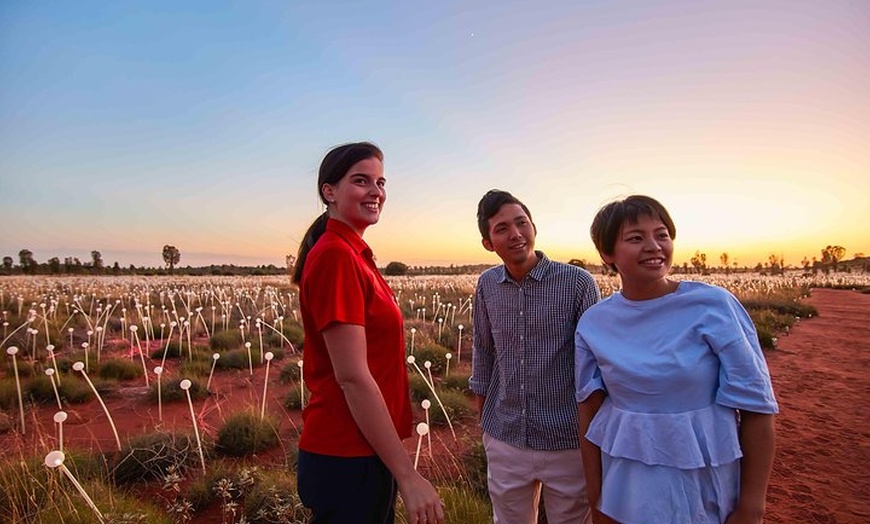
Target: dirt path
(821,377)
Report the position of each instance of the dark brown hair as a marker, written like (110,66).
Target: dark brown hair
(610,218)
(489,206)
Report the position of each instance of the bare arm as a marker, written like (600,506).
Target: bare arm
(346,344)
(591,454)
(757,437)
(479,401)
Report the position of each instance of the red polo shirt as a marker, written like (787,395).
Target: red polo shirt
(340,283)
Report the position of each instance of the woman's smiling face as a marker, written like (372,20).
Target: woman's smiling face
(358,198)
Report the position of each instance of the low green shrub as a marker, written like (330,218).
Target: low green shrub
(456,404)
(293,398)
(433,353)
(273,498)
(33,493)
(765,337)
(292,332)
(226,340)
(246,433)
(25,367)
(152,455)
(75,390)
(235,359)
(195,368)
(173,351)
(466,504)
(8,393)
(474,465)
(457,381)
(120,369)
(171,391)
(39,390)
(290,372)
(419,390)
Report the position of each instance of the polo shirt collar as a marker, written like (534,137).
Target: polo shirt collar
(536,273)
(349,235)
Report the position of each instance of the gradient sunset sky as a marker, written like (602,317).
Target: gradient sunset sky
(127,125)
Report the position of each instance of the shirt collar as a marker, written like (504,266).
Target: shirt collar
(349,235)
(536,273)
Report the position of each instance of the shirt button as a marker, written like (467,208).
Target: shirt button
(521,337)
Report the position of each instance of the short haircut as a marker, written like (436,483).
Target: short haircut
(610,219)
(490,205)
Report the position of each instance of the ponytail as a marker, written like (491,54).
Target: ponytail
(315,231)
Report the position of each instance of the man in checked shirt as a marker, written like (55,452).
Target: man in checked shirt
(525,314)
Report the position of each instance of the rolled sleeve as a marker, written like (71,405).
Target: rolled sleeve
(744,379)
(587,374)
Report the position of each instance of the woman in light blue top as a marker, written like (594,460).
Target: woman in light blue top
(675,399)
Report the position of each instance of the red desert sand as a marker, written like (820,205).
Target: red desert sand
(821,376)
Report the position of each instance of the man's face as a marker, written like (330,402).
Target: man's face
(512,235)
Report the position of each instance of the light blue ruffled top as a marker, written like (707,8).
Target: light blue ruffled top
(675,369)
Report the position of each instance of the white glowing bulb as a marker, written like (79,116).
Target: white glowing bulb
(55,459)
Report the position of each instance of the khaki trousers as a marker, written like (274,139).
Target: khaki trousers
(518,477)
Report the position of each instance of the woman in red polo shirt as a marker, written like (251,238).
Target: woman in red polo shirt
(351,456)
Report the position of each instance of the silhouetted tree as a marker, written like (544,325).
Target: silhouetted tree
(97,259)
(171,255)
(395,269)
(28,264)
(7,263)
(699,261)
(833,255)
(54,265)
(579,262)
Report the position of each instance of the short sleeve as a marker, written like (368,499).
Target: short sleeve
(587,374)
(334,289)
(744,379)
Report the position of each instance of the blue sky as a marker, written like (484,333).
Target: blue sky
(125,126)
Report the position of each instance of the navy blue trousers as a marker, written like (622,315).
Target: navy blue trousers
(346,490)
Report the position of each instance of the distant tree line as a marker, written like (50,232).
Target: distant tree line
(831,259)
(27,265)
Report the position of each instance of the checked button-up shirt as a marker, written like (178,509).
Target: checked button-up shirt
(523,360)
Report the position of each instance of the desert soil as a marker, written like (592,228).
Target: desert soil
(820,371)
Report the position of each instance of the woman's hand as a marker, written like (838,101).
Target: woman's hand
(422,503)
